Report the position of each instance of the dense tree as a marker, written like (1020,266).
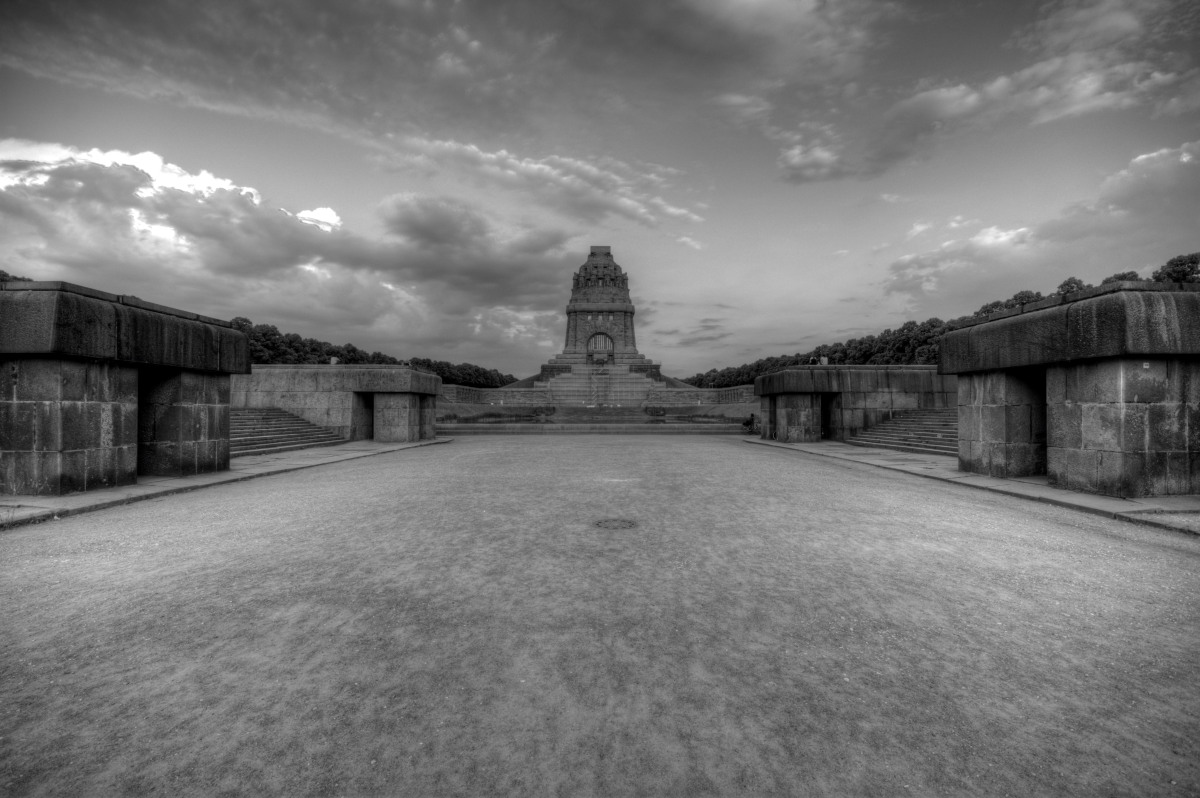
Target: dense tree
(917,343)
(1071,285)
(5,277)
(269,346)
(1179,269)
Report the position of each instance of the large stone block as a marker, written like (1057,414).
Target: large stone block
(72,321)
(1125,320)
(1063,425)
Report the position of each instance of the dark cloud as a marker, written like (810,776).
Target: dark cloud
(379,67)
(78,215)
(435,222)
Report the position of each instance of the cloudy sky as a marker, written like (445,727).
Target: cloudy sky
(423,176)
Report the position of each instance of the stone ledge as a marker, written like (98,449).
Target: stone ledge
(1125,319)
(1088,293)
(842,379)
(122,299)
(66,320)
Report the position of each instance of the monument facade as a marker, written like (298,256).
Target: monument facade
(600,330)
(599,382)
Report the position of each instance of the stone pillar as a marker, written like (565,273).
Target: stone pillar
(1002,422)
(798,417)
(1125,426)
(428,417)
(183,422)
(66,425)
(404,417)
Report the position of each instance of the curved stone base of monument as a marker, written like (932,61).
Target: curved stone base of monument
(357,402)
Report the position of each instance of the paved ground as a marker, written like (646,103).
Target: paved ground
(450,621)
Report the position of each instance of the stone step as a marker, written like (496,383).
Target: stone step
(271,430)
(911,448)
(453,430)
(949,444)
(918,431)
(282,448)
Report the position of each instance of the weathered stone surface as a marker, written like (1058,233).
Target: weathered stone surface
(183,422)
(67,425)
(74,321)
(1004,412)
(1139,415)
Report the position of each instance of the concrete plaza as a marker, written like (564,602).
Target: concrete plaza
(450,620)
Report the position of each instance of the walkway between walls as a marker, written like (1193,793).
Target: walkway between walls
(1180,513)
(17,510)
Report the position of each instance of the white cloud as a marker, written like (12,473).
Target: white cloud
(917,229)
(324,218)
(690,242)
(995,237)
(578,188)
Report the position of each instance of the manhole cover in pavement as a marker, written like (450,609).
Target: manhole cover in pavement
(616,523)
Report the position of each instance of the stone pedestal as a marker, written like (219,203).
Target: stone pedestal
(404,417)
(101,388)
(808,403)
(358,402)
(1002,423)
(183,422)
(1117,371)
(1125,426)
(67,425)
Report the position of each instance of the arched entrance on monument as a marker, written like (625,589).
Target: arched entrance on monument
(600,348)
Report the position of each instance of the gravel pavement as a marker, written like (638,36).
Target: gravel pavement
(451,620)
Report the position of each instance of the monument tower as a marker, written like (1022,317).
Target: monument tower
(600,321)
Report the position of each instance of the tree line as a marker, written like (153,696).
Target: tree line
(269,346)
(916,343)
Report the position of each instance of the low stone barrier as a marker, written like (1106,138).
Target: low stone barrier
(1099,390)
(358,402)
(810,403)
(104,387)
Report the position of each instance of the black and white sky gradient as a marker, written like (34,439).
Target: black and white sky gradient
(422,177)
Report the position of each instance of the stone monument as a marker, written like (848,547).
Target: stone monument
(600,321)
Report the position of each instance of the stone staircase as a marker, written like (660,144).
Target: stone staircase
(594,386)
(270,430)
(921,431)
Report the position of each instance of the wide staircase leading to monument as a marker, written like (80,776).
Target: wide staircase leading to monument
(932,431)
(595,386)
(270,430)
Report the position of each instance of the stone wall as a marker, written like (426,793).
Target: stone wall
(103,387)
(1125,426)
(1002,422)
(67,425)
(1098,390)
(387,403)
(183,422)
(808,403)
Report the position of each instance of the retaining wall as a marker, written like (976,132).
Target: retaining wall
(811,403)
